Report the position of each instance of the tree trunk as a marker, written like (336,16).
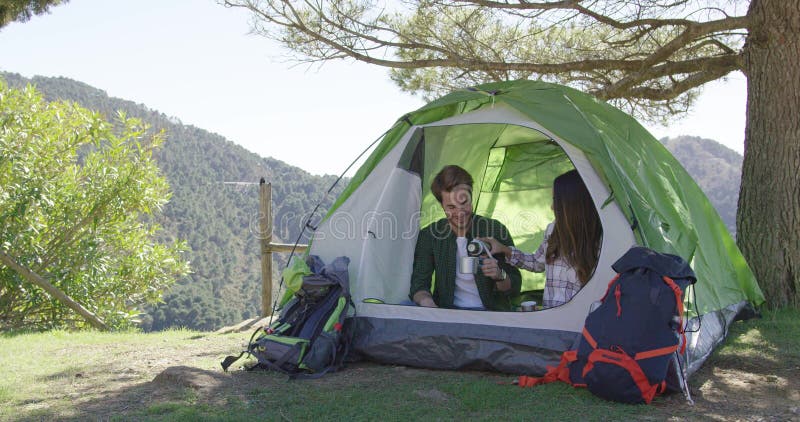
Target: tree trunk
(768,219)
(62,297)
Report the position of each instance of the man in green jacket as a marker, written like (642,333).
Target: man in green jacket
(441,245)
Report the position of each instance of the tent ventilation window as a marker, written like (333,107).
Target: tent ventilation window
(413,158)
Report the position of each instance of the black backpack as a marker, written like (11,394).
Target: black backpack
(308,340)
(630,342)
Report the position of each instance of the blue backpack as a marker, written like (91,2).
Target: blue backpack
(629,342)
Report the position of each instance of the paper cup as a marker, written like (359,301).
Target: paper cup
(528,306)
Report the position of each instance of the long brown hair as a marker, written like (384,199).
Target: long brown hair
(577,231)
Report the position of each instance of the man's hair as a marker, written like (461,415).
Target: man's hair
(448,178)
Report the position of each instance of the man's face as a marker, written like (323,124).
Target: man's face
(457,205)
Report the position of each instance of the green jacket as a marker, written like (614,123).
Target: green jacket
(435,254)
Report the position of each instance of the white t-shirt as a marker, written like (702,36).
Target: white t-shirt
(466,293)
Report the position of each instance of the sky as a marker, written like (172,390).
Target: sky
(196,60)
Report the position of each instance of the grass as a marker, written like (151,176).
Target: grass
(771,337)
(91,375)
(53,372)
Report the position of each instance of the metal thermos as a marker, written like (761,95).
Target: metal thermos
(477,247)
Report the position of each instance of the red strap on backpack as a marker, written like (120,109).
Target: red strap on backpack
(679,306)
(655,352)
(620,358)
(589,339)
(554,373)
(610,283)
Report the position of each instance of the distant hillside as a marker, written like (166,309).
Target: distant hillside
(218,219)
(218,216)
(715,167)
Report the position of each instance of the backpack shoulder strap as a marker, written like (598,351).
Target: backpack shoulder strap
(340,344)
(554,373)
(229,360)
(679,306)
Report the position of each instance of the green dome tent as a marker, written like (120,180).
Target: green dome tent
(514,138)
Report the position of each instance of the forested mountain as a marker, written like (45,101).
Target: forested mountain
(214,206)
(715,167)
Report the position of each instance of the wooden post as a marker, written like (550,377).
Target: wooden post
(265,227)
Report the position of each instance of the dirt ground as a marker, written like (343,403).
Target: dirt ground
(727,387)
(752,389)
(724,389)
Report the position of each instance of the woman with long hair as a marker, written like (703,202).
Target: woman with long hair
(571,247)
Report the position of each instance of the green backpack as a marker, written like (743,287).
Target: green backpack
(308,340)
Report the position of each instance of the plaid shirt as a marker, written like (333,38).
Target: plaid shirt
(561,280)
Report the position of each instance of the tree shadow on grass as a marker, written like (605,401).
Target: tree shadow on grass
(189,393)
(16,333)
(755,377)
(720,390)
(173,389)
(182,392)
(744,381)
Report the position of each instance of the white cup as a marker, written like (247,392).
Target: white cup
(528,306)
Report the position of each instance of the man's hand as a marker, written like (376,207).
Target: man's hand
(424,298)
(491,269)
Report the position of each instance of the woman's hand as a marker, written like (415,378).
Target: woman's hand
(496,246)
